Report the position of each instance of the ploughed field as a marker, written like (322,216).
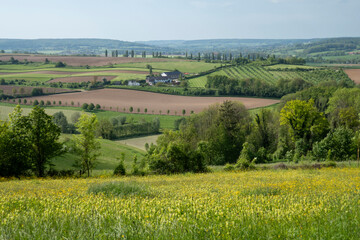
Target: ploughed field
(118,99)
(354,74)
(26,90)
(271,204)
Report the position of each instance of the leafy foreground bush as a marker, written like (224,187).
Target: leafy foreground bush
(120,189)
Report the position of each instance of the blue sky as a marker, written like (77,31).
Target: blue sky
(137,20)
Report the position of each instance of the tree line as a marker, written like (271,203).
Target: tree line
(28,143)
(318,124)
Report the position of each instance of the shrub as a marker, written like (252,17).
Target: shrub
(120,169)
(229,167)
(37,92)
(91,107)
(85,106)
(60,64)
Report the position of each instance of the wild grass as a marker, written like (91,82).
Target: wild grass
(120,189)
(281,204)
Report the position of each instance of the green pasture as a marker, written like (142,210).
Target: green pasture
(343,58)
(139,142)
(166,121)
(183,66)
(109,152)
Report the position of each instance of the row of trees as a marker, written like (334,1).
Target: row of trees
(319,123)
(28,143)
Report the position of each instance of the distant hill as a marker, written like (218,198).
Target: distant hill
(244,45)
(74,46)
(330,50)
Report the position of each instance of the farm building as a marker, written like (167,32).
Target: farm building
(165,77)
(133,83)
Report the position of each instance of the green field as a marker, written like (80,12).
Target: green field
(139,142)
(273,74)
(271,204)
(166,121)
(109,152)
(27,71)
(183,66)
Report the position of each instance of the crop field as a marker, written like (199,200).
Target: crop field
(82,61)
(271,204)
(73,75)
(155,103)
(273,74)
(354,74)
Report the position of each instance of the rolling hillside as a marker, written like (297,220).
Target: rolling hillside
(274,73)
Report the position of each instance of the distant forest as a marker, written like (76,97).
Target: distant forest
(331,50)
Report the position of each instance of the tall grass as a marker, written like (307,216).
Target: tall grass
(281,204)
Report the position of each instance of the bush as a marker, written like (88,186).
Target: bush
(120,169)
(60,64)
(85,106)
(244,164)
(37,92)
(229,167)
(91,107)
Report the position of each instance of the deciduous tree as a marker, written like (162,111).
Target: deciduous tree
(86,144)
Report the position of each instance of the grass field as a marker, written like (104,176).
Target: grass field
(283,204)
(166,122)
(139,142)
(272,76)
(183,66)
(110,151)
(126,71)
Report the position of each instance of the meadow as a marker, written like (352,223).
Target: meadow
(166,121)
(109,158)
(119,72)
(268,204)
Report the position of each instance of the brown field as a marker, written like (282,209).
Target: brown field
(8,89)
(81,79)
(118,99)
(82,61)
(354,74)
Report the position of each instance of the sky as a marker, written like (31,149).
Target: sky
(142,20)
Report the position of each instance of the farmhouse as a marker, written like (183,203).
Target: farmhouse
(133,83)
(165,77)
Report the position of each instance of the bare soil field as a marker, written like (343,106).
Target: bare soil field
(354,74)
(82,61)
(118,99)
(8,89)
(81,79)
